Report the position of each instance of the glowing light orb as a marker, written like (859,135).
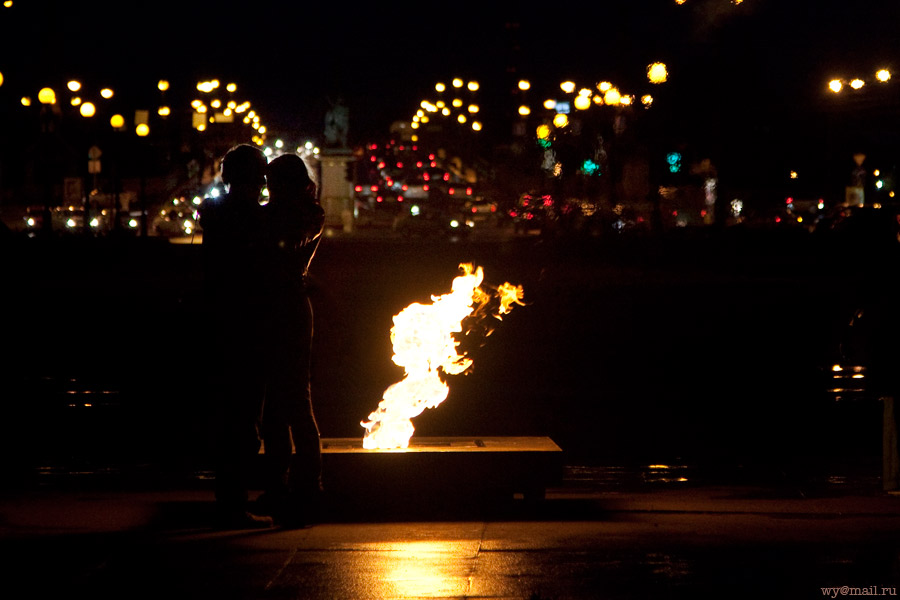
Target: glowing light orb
(657,73)
(47,96)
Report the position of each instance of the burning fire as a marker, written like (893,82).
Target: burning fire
(424,345)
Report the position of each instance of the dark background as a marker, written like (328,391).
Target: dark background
(710,352)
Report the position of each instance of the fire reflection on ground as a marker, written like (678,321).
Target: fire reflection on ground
(423,569)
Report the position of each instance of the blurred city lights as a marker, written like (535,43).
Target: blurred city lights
(657,73)
(162,85)
(46,96)
(857,84)
(142,130)
(524,85)
(883,75)
(835,85)
(567,86)
(87,109)
(117,121)
(106,93)
(73,85)
(612,97)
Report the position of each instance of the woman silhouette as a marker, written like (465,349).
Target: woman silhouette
(294,221)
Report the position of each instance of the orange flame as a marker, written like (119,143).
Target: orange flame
(424,345)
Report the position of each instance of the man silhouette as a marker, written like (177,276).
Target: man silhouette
(233,308)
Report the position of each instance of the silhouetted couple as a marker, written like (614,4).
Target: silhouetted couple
(260,323)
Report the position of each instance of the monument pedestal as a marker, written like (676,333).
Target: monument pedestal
(439,473)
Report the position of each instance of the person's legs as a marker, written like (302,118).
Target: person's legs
(238,393)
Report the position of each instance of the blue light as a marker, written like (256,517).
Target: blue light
(589,167)
(674,161)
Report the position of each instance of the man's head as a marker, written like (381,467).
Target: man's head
(244,165)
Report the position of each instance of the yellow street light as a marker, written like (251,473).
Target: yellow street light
(543,132)
(476,125)
(75,101)
(142,130)
(612,96)
(74,85)
(162,85)
(524,110)
(87,109)
(106,93)
(857,84)
(524,85)
(883,75)
(440,87)
(47,96)
(550,104)
(835,85)
(657,73)
(560,120)
(457,82)
(473,108)
(473,86)
(567,86)
(164,111)
(231,87)
(604,86)
(25,100)
(582,102)
(117,121)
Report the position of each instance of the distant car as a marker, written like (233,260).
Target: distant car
(482,212)
(424,220)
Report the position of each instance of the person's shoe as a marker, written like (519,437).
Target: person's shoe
(242,520)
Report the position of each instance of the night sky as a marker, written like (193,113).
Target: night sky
(742,66)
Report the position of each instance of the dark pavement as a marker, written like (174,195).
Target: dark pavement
(653,532)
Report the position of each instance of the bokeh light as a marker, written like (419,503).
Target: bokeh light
(87,109)
(657,73)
